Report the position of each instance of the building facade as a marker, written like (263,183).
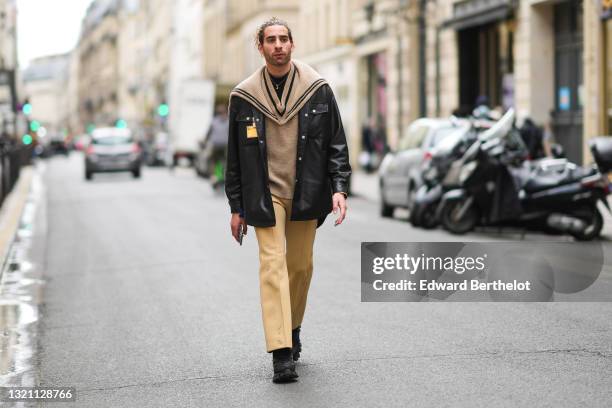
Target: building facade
(9,75)
(544,58)
(132,51)
(8,34)
(368,53)
(98,52)
(324,40)
(45,82)
(606,72)
(388,61)
(125,52)
(159,41)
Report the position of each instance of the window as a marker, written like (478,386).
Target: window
(413,138)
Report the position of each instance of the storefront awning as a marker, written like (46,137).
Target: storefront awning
(471,13)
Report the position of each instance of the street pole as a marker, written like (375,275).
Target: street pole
(422,58)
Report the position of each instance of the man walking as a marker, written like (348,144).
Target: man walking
(287,168)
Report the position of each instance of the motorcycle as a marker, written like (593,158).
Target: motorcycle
(440,159)
(492,187)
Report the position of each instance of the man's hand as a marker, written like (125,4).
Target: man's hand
(339,204)
(235,223)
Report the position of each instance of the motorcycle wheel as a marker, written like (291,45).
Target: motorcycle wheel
(423,216)
(458,226)
(428,218)
(593,230)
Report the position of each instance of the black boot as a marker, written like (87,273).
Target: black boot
(297,344)
(284,367)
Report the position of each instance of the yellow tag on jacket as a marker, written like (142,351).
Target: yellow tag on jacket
(251,132)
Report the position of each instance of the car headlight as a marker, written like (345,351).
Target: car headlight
(467,171)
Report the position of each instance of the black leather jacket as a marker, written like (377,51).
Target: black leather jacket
(322,162)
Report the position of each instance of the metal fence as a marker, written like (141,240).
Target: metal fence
(13,156)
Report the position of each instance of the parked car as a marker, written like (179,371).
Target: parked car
(58,145)
(111,150)
(51,144)
(400,171)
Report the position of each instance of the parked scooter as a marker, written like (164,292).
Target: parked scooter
(428,195)
(434,171)
(492,188)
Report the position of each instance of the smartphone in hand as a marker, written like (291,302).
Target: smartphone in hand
(240,233)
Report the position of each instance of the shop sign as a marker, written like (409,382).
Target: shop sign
(564,98)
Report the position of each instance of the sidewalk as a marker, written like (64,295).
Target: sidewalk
(365,186)
(11,210)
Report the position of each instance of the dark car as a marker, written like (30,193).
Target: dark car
(112,150)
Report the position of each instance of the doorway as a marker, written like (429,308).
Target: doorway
(569,88)
(486,66)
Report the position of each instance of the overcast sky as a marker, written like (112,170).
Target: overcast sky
(48,27)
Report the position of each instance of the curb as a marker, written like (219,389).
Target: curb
(11,210)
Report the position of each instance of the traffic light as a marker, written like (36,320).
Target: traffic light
(163,110)
(26,139)
(120,124)
(34,125)
(90,128)
(27,109)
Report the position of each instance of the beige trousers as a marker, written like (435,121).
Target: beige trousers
(285,270)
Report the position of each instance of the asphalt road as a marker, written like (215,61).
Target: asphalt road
(148,302)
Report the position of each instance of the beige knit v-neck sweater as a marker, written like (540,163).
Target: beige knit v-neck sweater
(282,149)
(281,118)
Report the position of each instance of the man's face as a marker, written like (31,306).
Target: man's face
(276,47)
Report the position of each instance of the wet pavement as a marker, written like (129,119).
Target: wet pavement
(21,293)
(147,301)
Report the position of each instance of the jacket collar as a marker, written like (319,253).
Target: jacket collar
(302,82)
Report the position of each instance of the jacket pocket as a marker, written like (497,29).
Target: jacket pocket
(319,108)
(244,121)
(319,121)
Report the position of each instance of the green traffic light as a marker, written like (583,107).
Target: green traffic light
(163,110)
(90,128)
(26,139)
(27,109)
(34,126)
(121,124)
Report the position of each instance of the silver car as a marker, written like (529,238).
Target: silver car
(111,150)
(400,171)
